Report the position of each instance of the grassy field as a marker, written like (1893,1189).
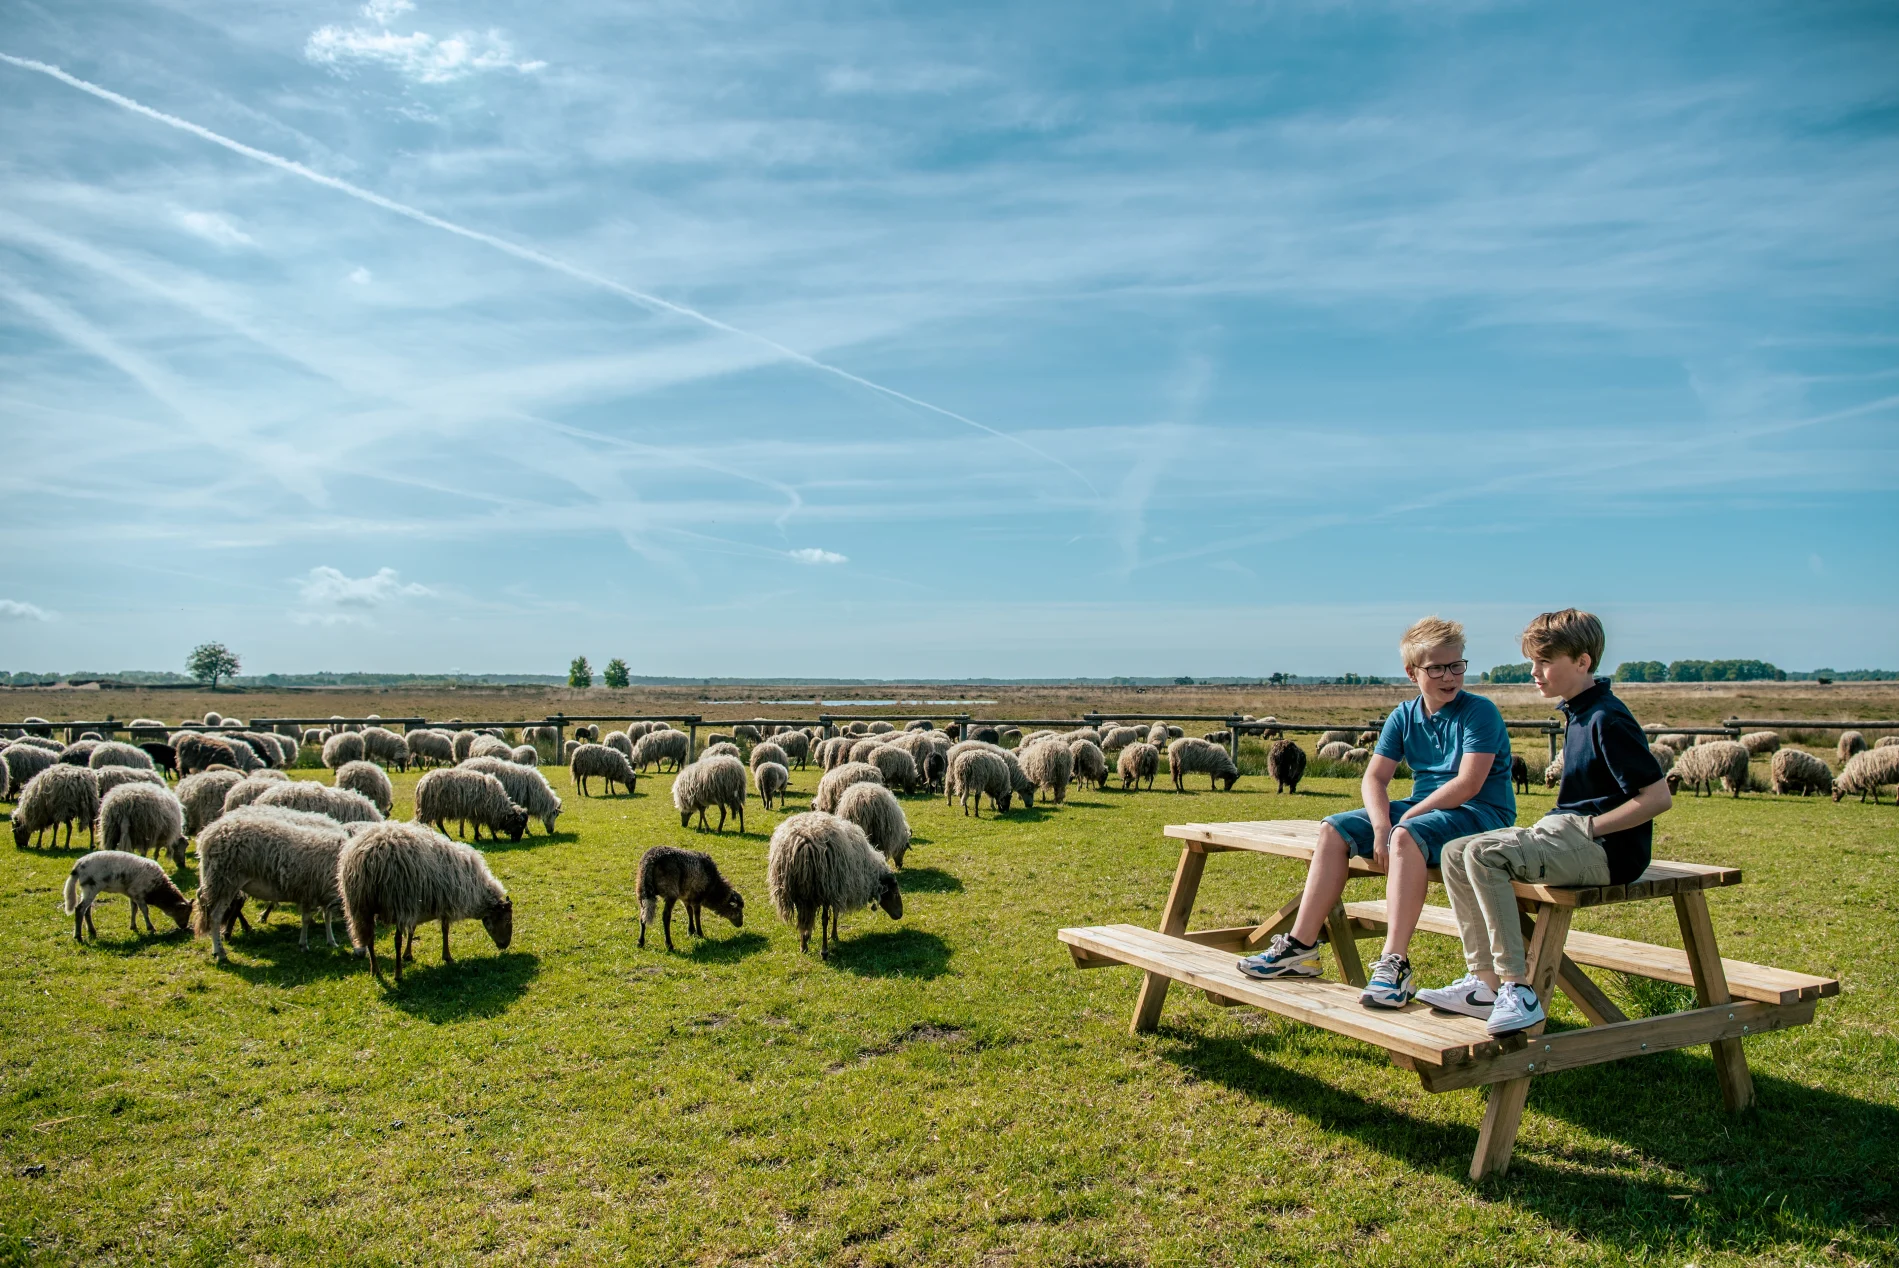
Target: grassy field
(947,1089)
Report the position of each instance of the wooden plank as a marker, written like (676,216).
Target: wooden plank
(1711,988)
(1571,1049)
(1232,939)
(1279,922)
(1586,995)
(1338,932)
(1180,898)
(1414,1030)
(1086,959)
(1503,1114)
(1760,982)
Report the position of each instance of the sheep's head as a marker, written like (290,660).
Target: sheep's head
(1231,777)
(1002,803)
(732,907)
(890,897)
(498,920)
(1673,778)
(178,907)
(547,820)
(21,832)
(1839,791)
(515,823)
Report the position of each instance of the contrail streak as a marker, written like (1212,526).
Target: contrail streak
(519,252)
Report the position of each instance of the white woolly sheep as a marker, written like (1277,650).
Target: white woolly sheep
(385,747)
(1866,771)
(1553,773)
(567,751)
(369,779)
(202,796)
(1050,764)
(838,778)
(617,741)
(23,761)
(79,752)
(404,875)
(343,748)
(587,733)
(1851,742)
(1089,764)
(1704,764)
(488,746)
(1020,785)
(341,804)
(1676,740)
(747,733)
(1761,743)
(1138,761)
(717,780)
(1886,741)
(528,755)
(1335,737)
(1188,755)
(313,737)
(142,881)
(660,748)
(821,866)
(1157,734)
(272,854)
(919,724)
(635,730)
(113,753)
(978,771)
(1663,755)
(60,794)
(768,751)
(1356,756)
(1286,763)
(527,788)
(597,761)
(770,779)
(881,728)
(143,819)
(1116,738)
(1794,771)
(110,777)
(212,719)
(1333,750)
(468,796)
(1367,739)
(897,768)
(463,741)
(876,810)
(797,746)
(249,789)
(720,748)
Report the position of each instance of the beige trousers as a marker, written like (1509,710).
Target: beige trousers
(1478,871)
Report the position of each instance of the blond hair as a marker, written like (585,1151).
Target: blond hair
(1432,631)
(1571,632)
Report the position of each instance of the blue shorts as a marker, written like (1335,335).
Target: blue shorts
(1432,830)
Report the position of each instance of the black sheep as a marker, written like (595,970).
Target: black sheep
(688,876)
(163,756)
(1286,762)
(1519,772)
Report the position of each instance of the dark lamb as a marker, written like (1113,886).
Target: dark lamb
(1286,762)
(163,756)
(674,875)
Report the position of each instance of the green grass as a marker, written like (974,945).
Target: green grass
(948,1089)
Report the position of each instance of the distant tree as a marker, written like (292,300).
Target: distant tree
(1641,671)
(1277,680)
(616,673)
(580,673)
(1183,681)
(209,662)
(1519,672)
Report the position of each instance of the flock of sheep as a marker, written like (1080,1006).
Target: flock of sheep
(332,850)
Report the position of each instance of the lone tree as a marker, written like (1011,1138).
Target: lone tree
(212,661)
(616,673)
(580,673)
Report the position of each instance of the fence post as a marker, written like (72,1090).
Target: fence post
(1551,731)
(1233,737)
(559,721)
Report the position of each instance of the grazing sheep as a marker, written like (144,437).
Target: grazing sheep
(1704,764)
(405,875)
(313,737)
(1222,737)
(80,751)
(1334,737)
(985,735)
(1116,738)
(340,804)
(881,728)
(587,733)
(1333,750)
(1089,764)
(1138,761)
(385,747)
(897,768)
(821,866)
(797,747)
(142,881)
(23,761)
(1887,741)
(617,741)
(270,749)
(597,761)
(248,789)
(1553,773)
(1851,742)
(1761,743)
(468,796)
(60,794)
(636,730)
(1676,740)
(771,779)
(369,779)
(1286,763)
(489,746)
(462,741)
(935,767)
(769,751)
(164,756)
(838,778)
(528,755)
(143,819)
(1794,771)
(115,754)
(343,748)
(567,751)
(674,875)
(857,728)
(1356,756)
(41,741)
(1663,755)
(1367,739)
(660,747)
(202,796)
(1865,772)
(1190,756)
(1519,773)
(111,777)
(746,732)
(275,855)
(978,771)
(212,719)
(722,748)
(429,748)
(1021,787)
(861,751)
(1050,765)
(715,780)
(835,751)
(146,727)
(527,788)
(876,810)
(716,738)
(919,724)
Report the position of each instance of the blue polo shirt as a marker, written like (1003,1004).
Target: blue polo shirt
(1433,745)
(1605,763)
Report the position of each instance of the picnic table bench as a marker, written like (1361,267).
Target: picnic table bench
(1446,1051)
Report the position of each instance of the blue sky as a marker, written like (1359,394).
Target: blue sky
(931,340)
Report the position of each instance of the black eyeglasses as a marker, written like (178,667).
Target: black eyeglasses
(1453,670)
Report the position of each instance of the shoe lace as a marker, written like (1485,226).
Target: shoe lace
(1388,970)
(1281,944)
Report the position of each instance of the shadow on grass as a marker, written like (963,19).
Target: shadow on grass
(117,941)
(269,954)
(722,950)
(58,851)
(528,841)
(1804,1166)
(895,953)
(475,986)
(927,880)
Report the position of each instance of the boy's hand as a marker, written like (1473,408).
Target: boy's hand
(1381,849)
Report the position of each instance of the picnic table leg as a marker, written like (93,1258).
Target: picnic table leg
(1504,1114)
(1597,1008)
(1711,988)
(1338,931)
(1147,1007)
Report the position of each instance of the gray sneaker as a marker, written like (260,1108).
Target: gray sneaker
(1282,959)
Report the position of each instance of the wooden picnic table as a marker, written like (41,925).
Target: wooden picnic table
(1734,999)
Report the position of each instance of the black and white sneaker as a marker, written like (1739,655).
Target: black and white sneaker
(1392,984)
(1467,995)
(1283,958)
(1517,1009)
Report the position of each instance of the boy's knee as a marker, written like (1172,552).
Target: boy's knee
(1403,842)
(1331,839)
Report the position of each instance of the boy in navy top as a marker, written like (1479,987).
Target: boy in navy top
(1598,834)
(1459,753)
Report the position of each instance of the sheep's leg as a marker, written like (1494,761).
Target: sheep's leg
(666,920)
(721,816)
(90,927)
(79,920)
(398,945)
(370,946)
(329,930)
(446,957)
(741,818)
(303,934)
(215,920)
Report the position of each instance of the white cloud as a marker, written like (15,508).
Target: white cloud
(812,555)
(213,228)
(14,610)
(329,596)
(361,276)
(418,56)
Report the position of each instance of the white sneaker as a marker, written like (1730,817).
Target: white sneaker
(1517,1009)
(1467,995)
